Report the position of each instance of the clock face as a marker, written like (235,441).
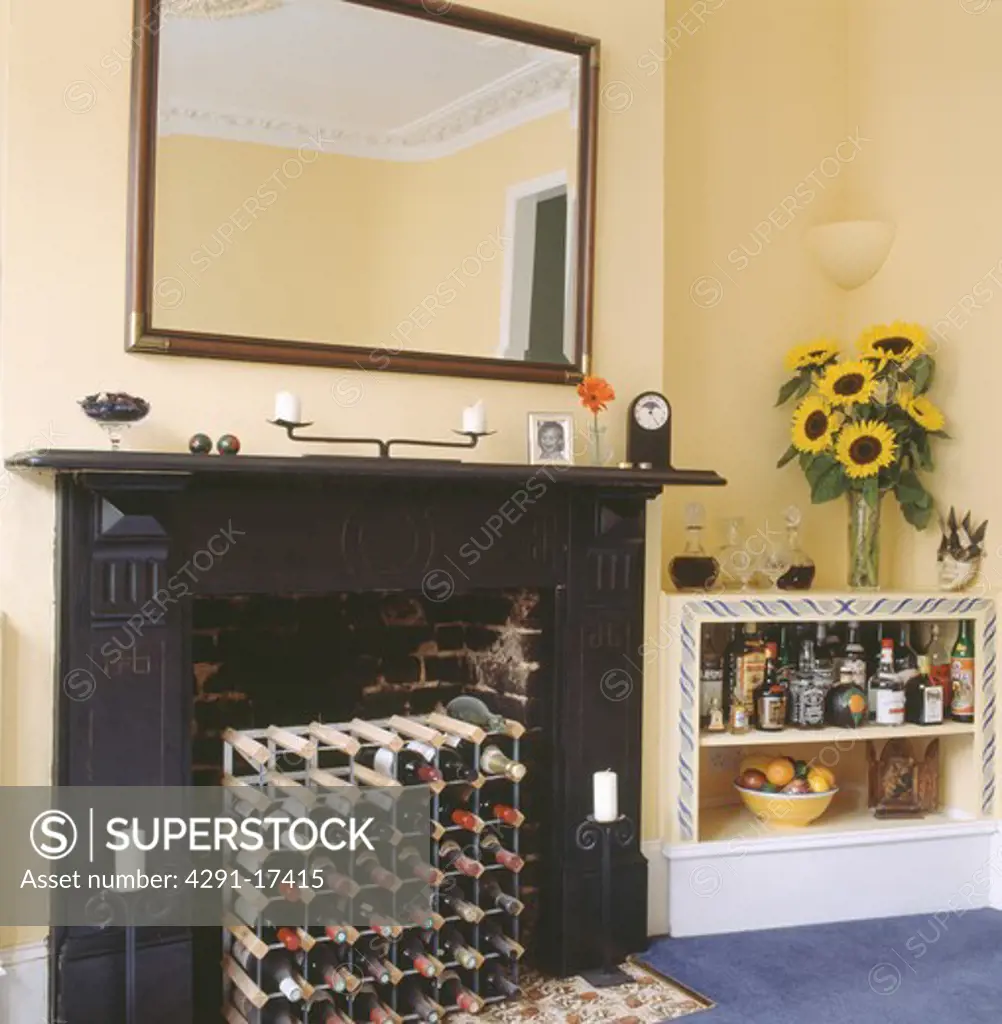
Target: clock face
(651,412)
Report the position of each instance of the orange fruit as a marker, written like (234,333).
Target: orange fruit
(781,771)
(758,762)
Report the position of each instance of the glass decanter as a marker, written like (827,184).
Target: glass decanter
(694,569)
(800,571)
(734,559)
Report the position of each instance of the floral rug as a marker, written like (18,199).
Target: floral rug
(650,1000)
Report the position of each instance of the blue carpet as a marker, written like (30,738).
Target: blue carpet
(906,970)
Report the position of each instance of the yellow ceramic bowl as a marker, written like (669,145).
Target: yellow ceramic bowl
(798,809)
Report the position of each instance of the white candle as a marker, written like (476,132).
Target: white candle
(131,860)
(475,419)
(606,796)
(288,407)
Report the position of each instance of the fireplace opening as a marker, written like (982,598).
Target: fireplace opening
(289,660)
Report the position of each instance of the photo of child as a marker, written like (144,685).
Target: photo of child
(550,437)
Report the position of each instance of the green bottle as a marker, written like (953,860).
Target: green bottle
(962,675)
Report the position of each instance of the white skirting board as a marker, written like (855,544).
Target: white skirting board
(24,994)
(715,888)
(657,887)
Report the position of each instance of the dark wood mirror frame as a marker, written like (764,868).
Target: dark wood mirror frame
(142,337)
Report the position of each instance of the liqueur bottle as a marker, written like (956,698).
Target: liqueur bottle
(711,673)
(888,689)
(939,665)
(825,653)
(845,705)
(854,656)
(809,691)
(749,671)
(905,658)
(771,696)
(694,569)
(962,675)
(735,639)
(924,698)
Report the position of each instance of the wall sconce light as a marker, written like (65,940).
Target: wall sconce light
(850,252)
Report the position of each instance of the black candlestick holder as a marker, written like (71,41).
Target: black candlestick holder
(590,834)
(472,438)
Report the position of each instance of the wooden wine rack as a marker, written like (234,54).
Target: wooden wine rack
(257,759)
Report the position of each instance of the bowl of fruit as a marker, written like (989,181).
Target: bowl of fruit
(783,791)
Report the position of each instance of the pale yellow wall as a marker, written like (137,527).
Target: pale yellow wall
(279,243)
(63,302)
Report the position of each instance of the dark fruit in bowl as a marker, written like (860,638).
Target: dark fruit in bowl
(798,786)
(115,407)
(770,787)
(752,779)
(801,768)
(228,444)
(200,444)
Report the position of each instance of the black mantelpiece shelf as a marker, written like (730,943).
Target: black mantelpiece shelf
(339,467)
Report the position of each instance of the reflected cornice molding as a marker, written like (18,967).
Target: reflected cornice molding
(531,92)
(218,8)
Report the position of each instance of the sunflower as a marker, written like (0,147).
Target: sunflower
(814,423)
(814,353)
(847,383)
(595,394)
(898,342)
(922,410)
(865,448)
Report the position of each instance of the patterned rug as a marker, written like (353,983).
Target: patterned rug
(650,1000)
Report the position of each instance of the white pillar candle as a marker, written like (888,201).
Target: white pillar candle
(475,419)
(131,860)
(288,407)
(606,796)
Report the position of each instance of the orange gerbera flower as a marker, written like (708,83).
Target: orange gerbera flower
(595,393)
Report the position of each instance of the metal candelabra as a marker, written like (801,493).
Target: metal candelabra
(472,438)
(592,833)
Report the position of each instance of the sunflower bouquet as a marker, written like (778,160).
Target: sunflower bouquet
(863,426)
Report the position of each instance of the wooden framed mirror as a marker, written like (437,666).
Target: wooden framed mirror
(400,185)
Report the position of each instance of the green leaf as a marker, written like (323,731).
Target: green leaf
(805,385)
(805,460)
(923,450)
(789,456)
(921,374)
(832,484)
(919,517)
(819,466)
(910,490)
(786,392)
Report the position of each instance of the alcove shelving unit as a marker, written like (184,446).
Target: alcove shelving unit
(728,871)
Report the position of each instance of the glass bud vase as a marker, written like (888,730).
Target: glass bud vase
(864,541)
(596,443)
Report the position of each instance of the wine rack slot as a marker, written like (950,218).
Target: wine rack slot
(462,955)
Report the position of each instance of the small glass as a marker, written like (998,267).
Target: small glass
(734,558)
(694,569)
(800,569)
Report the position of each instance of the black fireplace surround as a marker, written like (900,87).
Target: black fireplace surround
(140,534)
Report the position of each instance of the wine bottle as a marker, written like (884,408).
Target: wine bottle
(410,861)
(453,992)
(333,879)
(491,842)
(452,900)
(380,918)
(498,982)
(325,962)
(368,1006)
(962,677)
(368,862)
(501,943)
(414,999)
(452,854)
(278,971)
(451,938)
(508,815)
(407,765)
(451,765)
(494,761)
(499,898)
(473,710)
(414,949)
(455,809)
(326,1011)
(275,1011)
(370,952)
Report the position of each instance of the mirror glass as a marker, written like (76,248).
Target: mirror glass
(338,174)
